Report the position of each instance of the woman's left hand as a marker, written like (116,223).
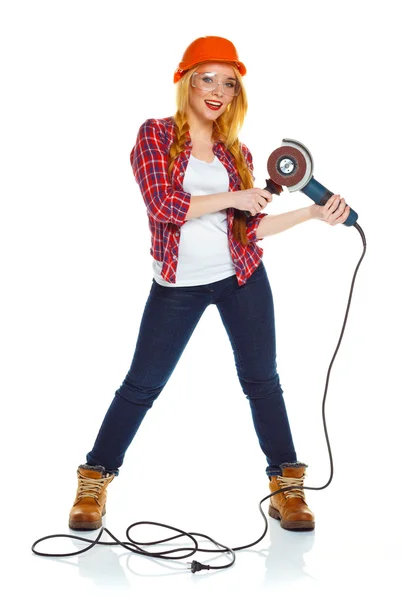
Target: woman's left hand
(334,212)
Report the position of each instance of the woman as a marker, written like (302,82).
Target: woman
(197,184)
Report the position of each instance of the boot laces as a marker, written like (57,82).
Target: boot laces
(290,481)
(90,487)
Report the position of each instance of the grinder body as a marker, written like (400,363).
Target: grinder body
(320,195)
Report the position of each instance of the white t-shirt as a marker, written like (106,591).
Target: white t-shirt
(204,255)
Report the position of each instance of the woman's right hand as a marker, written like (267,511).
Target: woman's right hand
(253,200)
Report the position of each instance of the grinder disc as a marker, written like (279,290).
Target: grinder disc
(287,166)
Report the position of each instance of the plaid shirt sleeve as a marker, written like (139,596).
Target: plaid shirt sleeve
(253,221)
(149,161)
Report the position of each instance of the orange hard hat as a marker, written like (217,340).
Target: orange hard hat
(209,48)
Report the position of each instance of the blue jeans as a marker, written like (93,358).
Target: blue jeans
(169,319)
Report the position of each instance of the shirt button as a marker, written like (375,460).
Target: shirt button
(181,174)
(177,233)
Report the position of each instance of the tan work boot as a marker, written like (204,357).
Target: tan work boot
(90,502)
(290,507)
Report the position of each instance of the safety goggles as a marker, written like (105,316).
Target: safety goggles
(210,81)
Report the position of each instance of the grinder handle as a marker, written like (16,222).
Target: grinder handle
(272,187)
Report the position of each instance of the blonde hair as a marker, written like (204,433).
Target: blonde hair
(225,128)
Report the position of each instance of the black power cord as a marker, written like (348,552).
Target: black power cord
(195,566)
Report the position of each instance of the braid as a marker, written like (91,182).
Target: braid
(179,140)
(246,180)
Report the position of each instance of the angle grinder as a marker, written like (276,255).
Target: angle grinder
(291,165)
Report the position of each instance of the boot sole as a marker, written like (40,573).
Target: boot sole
(86,525)
(290,525)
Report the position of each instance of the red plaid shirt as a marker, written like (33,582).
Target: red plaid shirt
(167,203)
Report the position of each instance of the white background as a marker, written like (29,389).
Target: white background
(78,79)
